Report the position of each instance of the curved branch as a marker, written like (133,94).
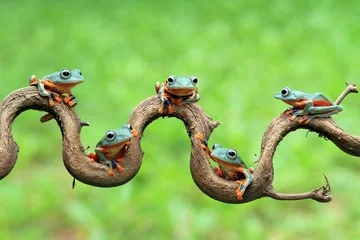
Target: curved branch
(195,120)
(75,160)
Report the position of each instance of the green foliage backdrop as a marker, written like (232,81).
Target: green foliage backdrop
(242,53)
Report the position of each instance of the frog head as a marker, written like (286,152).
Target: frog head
(65,76)
(117,138)
(286,94)
(181,86)
(224,156)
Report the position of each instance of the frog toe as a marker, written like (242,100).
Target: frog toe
(239,195)
(111,172)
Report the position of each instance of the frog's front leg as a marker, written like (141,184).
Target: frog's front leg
(243,183)
(194,98)
(301,112)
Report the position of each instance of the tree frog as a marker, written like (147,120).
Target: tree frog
(177,90)
(307,105)
(111,148)
(231,167)
(58,83)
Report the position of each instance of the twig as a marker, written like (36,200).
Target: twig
(350,88)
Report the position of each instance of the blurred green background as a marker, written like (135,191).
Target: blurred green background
(242,53)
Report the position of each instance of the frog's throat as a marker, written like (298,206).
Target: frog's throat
(176,93)
(225,164)
(60,87)
(109,148)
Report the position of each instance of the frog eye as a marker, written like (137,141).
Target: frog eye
(232,154)
(130,127)
(170,79)
(285,91)
(110,136)
(65,74)
(194,80)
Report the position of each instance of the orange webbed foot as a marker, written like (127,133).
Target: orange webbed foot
(161,110)
(111,172)
(239,193)
(33,81)
(119,168)
(170,109)
(304,120)
(52,103)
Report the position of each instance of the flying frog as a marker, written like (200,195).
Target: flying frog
(58,83)
(307,105)
(111,148)
(177,90)
(231,167)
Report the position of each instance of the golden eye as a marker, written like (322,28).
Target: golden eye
(110,136)
(232,154)
(65,74)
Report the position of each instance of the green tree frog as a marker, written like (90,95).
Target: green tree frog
(177,90)
(111,148)
(58,83)
(307,105)
(231,167)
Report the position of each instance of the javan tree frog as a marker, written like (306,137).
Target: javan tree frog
(58,83)
(231,167)
(177,90)
(111,148)
(307,105)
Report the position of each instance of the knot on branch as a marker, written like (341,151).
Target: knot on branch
(195,120)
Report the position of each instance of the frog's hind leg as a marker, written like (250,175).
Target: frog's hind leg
(306,119)
(243,183)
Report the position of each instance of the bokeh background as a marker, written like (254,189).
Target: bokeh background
(242,52)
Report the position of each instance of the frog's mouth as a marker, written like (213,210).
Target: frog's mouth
(180,91)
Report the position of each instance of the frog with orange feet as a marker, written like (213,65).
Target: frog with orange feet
(307,105)
(231,167)
(58,83)
(177,90)
(111,148)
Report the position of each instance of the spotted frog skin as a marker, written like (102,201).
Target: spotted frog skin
(307,105)
(111,148)
(231,167)
(58,83)
(177,90)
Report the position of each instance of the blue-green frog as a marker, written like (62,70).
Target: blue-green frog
(111,148)
(177,90)
(308,105)
(58,83)
(231,167)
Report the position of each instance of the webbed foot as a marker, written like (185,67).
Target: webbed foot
(33,81)
(115,164)
(241,189)
(70,100)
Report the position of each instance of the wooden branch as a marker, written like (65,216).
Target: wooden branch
(195,120)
